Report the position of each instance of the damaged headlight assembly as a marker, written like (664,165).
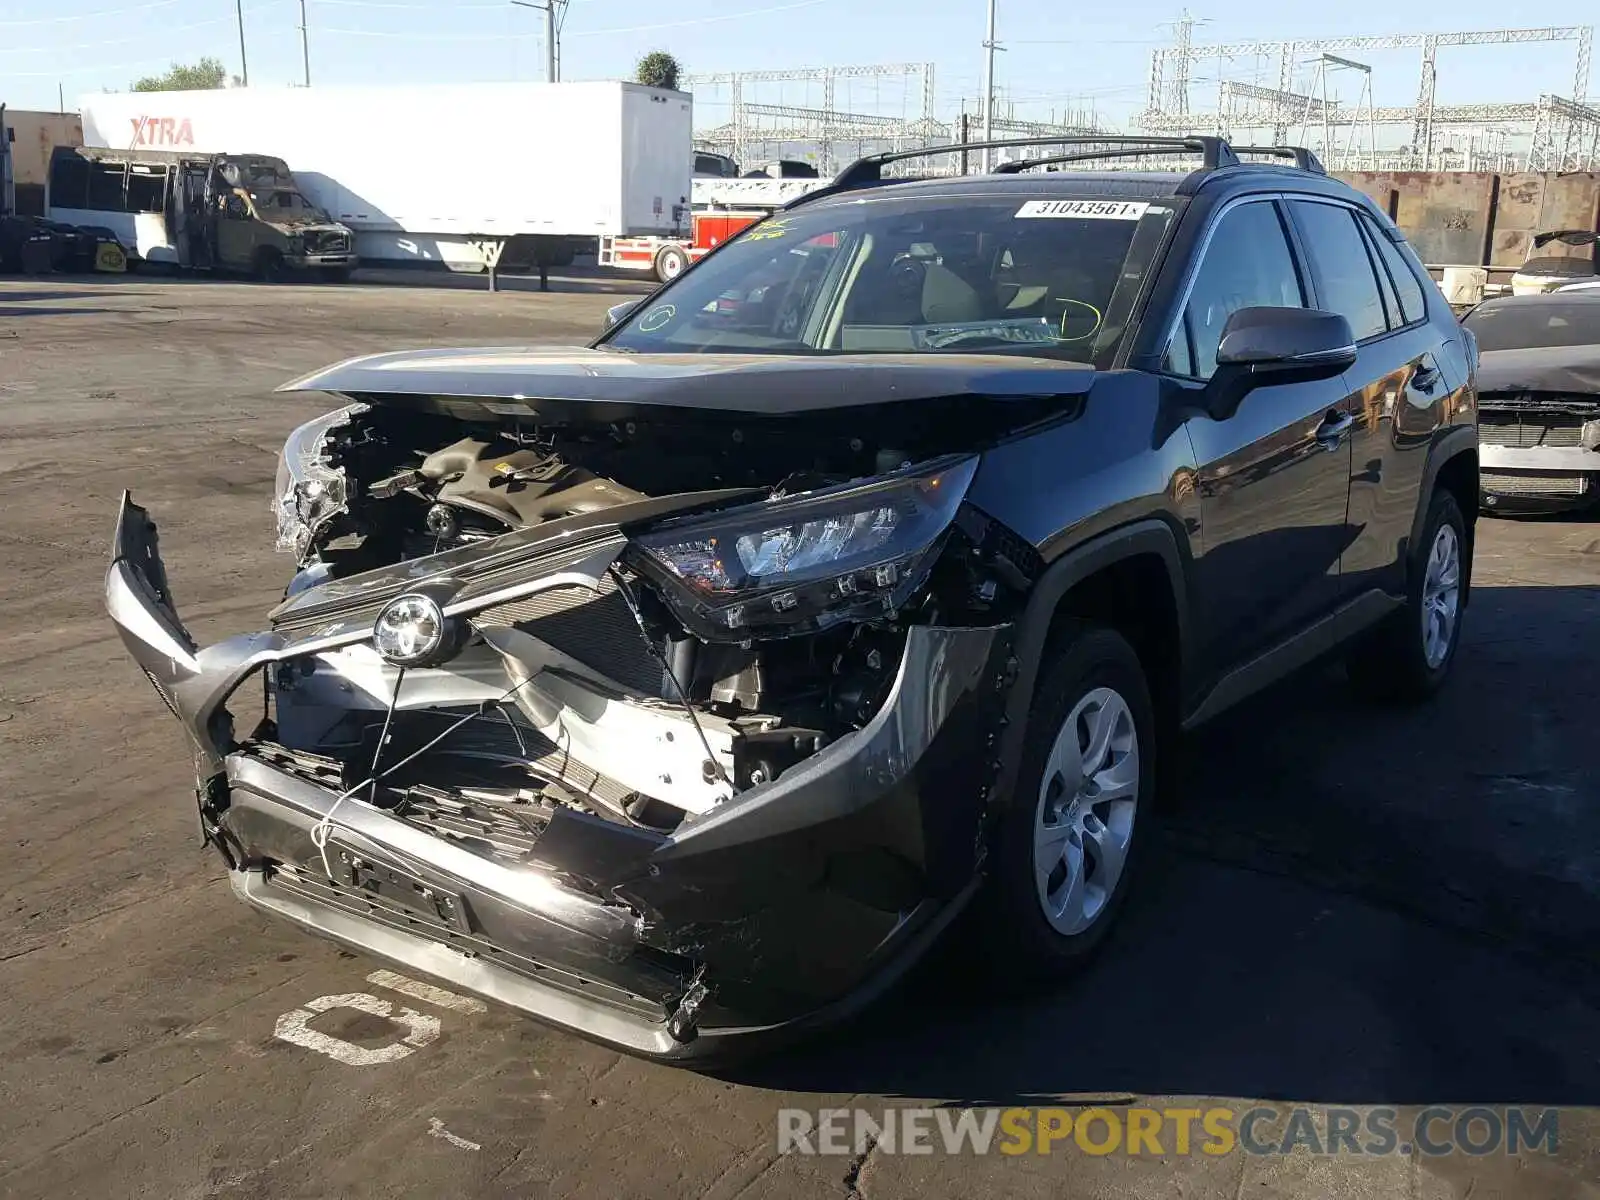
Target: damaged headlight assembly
(798,564)
(310,491)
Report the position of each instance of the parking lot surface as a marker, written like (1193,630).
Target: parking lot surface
(1351,906)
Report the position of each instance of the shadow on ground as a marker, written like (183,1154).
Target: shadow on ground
(7,311)
(1350,905)
(55,295)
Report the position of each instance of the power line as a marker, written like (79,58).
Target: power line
(416,35)
(162,31)
(163,60)
(114,12)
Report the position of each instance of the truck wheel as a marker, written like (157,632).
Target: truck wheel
(670,262)
(269,265)
(1063,853)
(1408,656)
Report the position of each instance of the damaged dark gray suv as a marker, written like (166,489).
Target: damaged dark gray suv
(682,689)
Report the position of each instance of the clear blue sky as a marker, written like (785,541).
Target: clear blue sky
(1058,55)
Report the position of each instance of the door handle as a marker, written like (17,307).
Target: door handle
(1333,428)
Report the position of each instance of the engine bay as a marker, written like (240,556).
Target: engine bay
(410,485)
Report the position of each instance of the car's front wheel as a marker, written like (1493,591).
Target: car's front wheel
(1063,855)
(1409,656)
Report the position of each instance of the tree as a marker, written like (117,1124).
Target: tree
(204,75)
(658,69)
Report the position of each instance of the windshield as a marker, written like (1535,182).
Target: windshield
(964,274)
(1519,326)
(281,201)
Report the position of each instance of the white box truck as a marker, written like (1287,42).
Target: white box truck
(448,175)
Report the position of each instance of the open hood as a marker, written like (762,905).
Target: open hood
(582,385)
(1568,237)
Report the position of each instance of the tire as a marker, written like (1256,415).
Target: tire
(670,263)
(1088,669)
(269,265)
(1405,659)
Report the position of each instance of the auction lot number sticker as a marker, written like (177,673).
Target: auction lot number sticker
(1096,210)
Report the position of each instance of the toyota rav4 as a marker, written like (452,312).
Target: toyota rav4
(682,689)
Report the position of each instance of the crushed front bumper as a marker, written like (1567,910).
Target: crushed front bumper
(786,906)
(310,262)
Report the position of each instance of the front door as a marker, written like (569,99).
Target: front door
(236,233)
(1274,476)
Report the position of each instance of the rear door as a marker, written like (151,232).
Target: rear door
(1274,477)
(1397,385)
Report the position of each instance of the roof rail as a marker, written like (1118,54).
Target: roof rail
(1303,158)
(864,172)
(1018,165)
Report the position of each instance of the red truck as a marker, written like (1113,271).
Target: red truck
(720,209)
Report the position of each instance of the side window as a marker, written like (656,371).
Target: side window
(1391,302)
(1412,306)
(105,187)
(1247,264)
(69,181)
(1341,265)
(147,189)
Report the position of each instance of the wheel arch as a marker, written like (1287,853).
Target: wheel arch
(1132,578)
(1453,466)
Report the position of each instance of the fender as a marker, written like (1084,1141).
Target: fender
(1151,535)
(1452,444)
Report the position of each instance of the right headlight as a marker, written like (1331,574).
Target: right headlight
(310,491)
(802,563)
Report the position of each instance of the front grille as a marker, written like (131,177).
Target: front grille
(493,827)
(596,628)
(428,924)
(1533,484)
(1529,430)
(327,243)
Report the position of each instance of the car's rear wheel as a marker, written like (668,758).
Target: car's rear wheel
(1409,656)
(1064,853)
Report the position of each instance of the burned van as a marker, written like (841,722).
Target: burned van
(230,212)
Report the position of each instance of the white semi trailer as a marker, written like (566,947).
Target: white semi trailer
(449,175)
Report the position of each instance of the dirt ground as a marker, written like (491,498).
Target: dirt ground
(1351,908)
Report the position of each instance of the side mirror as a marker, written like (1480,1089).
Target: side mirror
(1265,346)
(617,312)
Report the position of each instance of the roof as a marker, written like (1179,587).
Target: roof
(142,154)
(1132,185)
(1220,169)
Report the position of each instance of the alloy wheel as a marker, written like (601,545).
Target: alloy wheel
(1441,595)
(1083,825)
